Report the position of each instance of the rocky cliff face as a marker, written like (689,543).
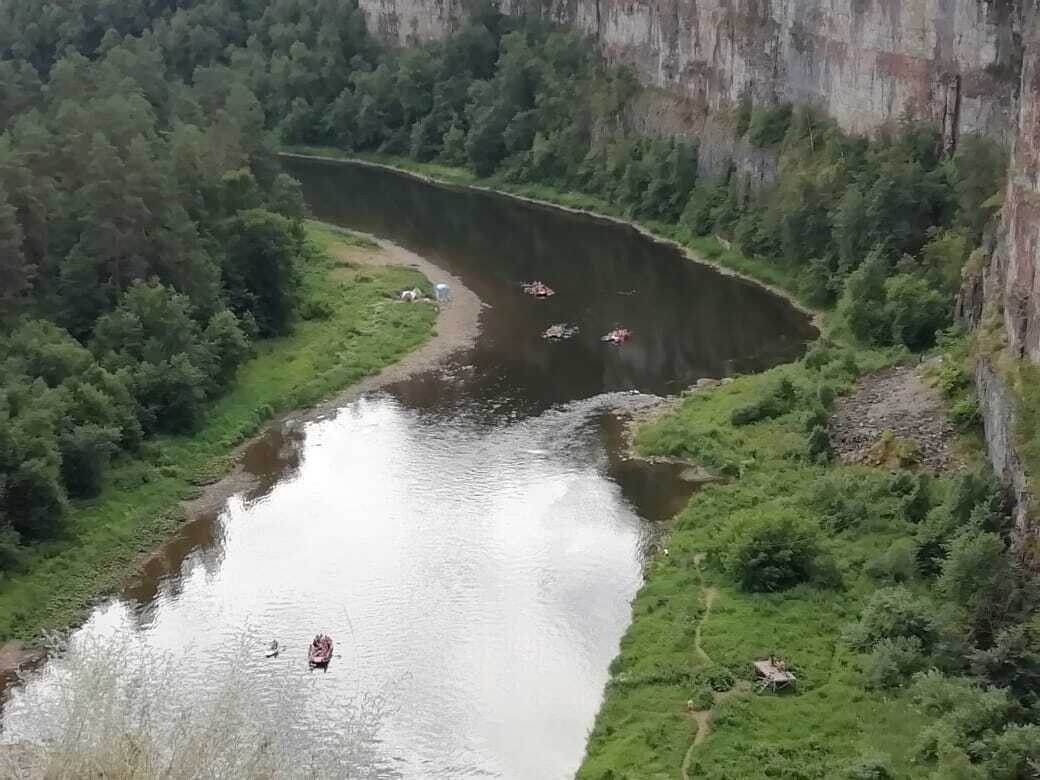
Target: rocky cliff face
(1004,294)
(1014,277)
(866,62)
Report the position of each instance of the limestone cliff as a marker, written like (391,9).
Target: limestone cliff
(1015,274)
(866,62)
(1003,294)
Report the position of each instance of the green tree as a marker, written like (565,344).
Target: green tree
(978,576)
(15,272)
(153,337)
(260,275)
(977,171)
(862,304)
(771,551)
(893,613)
(915,310)
(1013,660)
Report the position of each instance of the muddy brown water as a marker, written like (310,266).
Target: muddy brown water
(472,537)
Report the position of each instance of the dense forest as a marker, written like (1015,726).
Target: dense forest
(147,235)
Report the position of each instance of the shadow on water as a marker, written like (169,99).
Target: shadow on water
(481,521)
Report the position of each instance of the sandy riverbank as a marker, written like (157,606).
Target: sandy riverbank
(458,323)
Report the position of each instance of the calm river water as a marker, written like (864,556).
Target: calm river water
(470,537)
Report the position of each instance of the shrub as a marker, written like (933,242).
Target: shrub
(771,551)
(819,445)
(1015,753)
(965,413)
(892,613)
(816,417)
(1013,660)
(897,564)
(819,354)
(703,698)
(769,126)
(978,575)
(836,499)
(826,395)
(918,502)
(778,400)
(718,678)
(892,662)
(744,110)
(316,309)
(873,766)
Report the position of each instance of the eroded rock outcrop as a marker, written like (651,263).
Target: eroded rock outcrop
(866,62)
(1004,293)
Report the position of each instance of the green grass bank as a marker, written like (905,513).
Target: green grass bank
(348,328)
(644,729)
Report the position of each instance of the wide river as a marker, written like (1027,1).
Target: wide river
(471,537)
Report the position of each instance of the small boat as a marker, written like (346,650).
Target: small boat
(320,652)
(273,650)
(559,332)
(539,290)
(618,336)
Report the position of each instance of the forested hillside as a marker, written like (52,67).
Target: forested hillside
(147,235)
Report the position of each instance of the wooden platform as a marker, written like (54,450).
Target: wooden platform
(769,676)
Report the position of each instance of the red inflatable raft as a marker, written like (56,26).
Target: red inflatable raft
(539,290)
(321,651)
(618,336)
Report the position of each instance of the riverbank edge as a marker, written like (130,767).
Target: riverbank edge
(816,316)
(455,328)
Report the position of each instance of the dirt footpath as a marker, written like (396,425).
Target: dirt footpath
(898,400)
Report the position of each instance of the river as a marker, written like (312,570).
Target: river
(472,536)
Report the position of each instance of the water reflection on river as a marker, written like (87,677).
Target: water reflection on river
(471,537)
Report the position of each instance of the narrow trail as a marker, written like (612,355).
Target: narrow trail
(703,717)
(710,594)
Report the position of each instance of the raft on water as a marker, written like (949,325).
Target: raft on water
(561,331)
(538,289)
(321,651)
(617,336)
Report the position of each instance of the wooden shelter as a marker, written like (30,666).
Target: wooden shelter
(772,674)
